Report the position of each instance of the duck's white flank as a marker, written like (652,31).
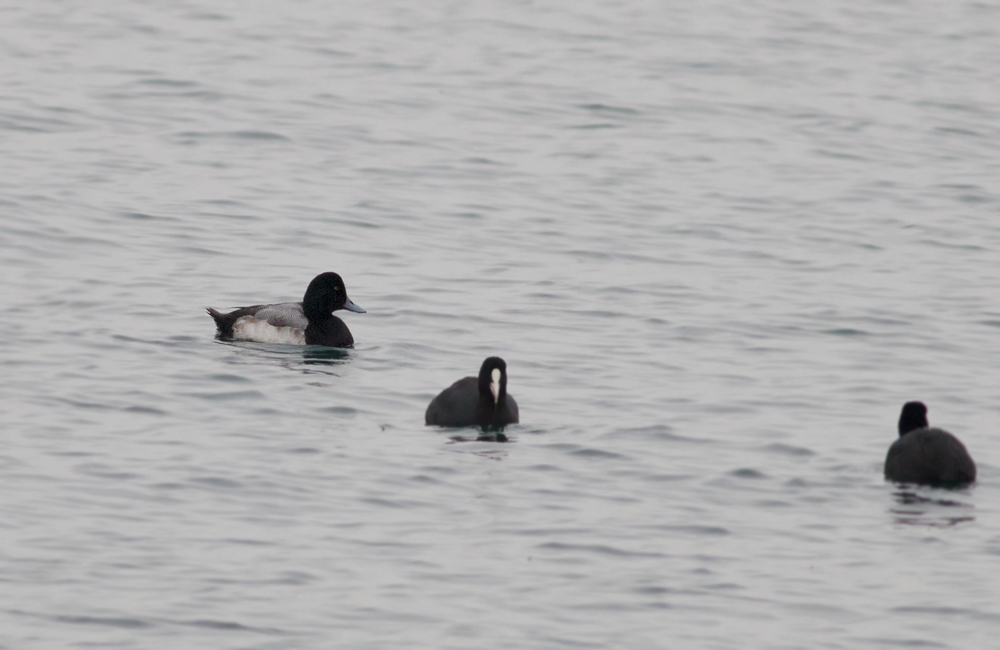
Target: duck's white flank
(248,328)
(495,384)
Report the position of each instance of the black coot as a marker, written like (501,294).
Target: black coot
(473,401)
(925,455)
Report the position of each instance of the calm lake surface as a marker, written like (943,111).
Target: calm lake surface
(718,244)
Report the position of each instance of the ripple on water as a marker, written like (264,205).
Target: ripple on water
(228,396)
(658,433)
(748,473)
(788,450)
(563,549)
(230,626)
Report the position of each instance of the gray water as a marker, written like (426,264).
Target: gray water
(718,245)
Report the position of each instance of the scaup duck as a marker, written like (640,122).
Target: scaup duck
(473,401)
(310,322)
(925,455)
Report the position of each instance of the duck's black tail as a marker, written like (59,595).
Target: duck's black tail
(224,322)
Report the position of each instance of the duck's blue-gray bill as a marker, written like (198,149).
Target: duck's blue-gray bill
(350,306)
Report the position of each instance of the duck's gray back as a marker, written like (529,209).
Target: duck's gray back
(283,314)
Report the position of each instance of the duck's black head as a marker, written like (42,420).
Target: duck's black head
(325,295)
(493,381)
(913,417)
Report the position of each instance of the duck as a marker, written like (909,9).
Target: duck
(926,455)
(476,401)
(310,322)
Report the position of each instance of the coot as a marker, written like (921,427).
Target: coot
(925,455)
(473,401)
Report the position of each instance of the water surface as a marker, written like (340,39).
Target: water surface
(718,246)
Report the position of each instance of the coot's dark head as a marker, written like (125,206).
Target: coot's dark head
(326,294)
(913,417)
(493,380)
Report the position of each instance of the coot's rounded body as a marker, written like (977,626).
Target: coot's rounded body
(926,455)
